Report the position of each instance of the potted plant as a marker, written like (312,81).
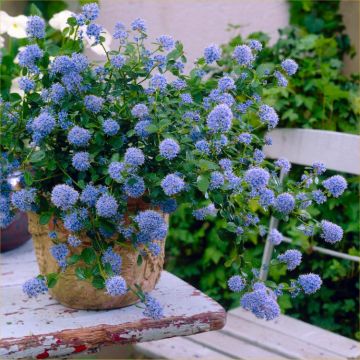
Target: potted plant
(108,151)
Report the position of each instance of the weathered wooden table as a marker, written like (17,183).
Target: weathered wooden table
(41,328)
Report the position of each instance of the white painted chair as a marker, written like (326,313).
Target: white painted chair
(247,337)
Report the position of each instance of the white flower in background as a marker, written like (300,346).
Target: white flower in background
(4,22)
(15,88)
(59,20)
(16,26)
(2,42)
(97,49)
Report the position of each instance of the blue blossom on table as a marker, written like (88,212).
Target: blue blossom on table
(202,213)
(64,196)
(169,149)
(203,146)
(257,178)
(134,157)
(29,56)
(319,168)
(262,303)
(158,81)
(34,287)
(281,79)
(226,83)
(289,66)
(186,98)
(113,259)
(141,128)
(220,118)
(284,164)
(117,61)
(59,253)
(110,127)
(139,111)
(35,27)
(267,198)
(236,283)
(336,185)
(275,237)
(255,44)
(23,199)
(76,220)
(138,25)
(243,55)
(26,84)
(166,41)
(116,285)
(310,283)
(89,195)
(73,241)
(285,203)
(268,116)
(216,180)
(93,103)
(331,232)
(81,161)
(152,224)
(120,32)
(292,258)
(245,138)
(91,11)
(94,31)
(318,196)
(168,206)
(179,84)
(42,126)
(243,107)
(226,164)
(134,186)
(153,308)
(212,53)
(79,136)
(106,206)
(172,184)
(259,156)
(57,93)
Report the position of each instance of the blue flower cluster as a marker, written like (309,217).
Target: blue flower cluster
(212,53)
(292,258)
(116,285)
(35,27)
(169,149)
(153,308)
(172,184)
(34,287)
(236,283)
(113,259)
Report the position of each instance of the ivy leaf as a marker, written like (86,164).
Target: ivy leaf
(73,259)
(51,279)
(80,273)
(98,282)
(45,218)
(88,255)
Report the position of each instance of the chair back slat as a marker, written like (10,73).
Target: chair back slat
(338,151)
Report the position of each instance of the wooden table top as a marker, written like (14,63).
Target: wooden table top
(41,327)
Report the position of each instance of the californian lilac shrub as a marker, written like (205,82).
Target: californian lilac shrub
(92,138)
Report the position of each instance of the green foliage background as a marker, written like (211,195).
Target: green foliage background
(318,96)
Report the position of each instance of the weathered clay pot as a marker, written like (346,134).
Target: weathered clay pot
(80,294)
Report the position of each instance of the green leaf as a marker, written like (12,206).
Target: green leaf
(45,218)
(139,260)
(80,273)
(71,21)
(203,183)
(88,255)
(34,10)
(73,259)
(51,279)
(28,178)
(98,282)
(37,156)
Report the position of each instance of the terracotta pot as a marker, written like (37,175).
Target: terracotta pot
(80,294)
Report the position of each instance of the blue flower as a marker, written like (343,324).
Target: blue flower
(64,196)
(81,161)
(166,41)
(117,61)
(93,103)
(113,259)
(236,283)
(331,232)
(234,182)
(318,196)
(216,180)
(141,128)
(186,98)
(76,220)
(59,253)
(255,44)
(29,56)
(259,156)
(169,149)
(110,127)
(285,203)
(120,33)
(115,170)
(57,93)
(212,53)
(152,224)
(168,206)
(94,31)
(245,138)
(257,178)
(134,186)
(268,116)
(267,198)
(138,25)
(172,184)
(35,27)
(226,164)
(106,206)
(336,185)
(139,111)
(158,81)
(292,258)
(281,79)
(153,308)
(243,55)
(289,66)
(116,286)
(91,11)
(42,126)
(179,84)
(243,107)
(226,83)
(283,164)
(202,213)
(319,168)
(23,199)
(52,235)
(74,241)
(275,237)
(34,287)
(310,283)
(79,136)
(26,84)
(89,195)
(220,118)
(203,146)
(134,156)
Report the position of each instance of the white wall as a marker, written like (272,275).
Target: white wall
(197,23)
